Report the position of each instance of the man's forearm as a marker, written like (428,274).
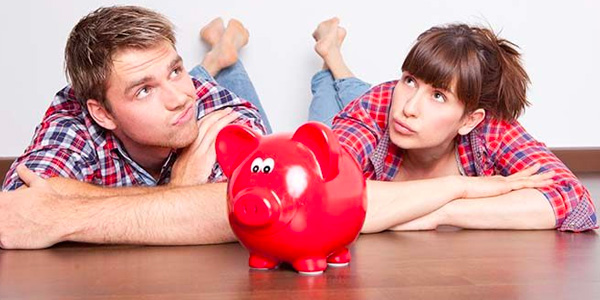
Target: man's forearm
(174,216)
(71,187)
(392,203)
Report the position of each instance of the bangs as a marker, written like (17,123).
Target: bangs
(446,63)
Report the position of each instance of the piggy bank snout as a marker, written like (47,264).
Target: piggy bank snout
(256,208)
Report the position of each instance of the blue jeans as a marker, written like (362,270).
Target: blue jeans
(331,95)
(236,80)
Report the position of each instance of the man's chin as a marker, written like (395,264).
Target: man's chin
(185,140)
(182,142)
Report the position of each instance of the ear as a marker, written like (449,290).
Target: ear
(100,114)
(234,143)
(324,144)
(471,121)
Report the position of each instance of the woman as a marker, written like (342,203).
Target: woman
(423,139)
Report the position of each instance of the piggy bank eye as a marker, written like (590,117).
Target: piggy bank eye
(257,165)
(268,165)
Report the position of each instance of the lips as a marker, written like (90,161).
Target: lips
(185,116)
(403,128)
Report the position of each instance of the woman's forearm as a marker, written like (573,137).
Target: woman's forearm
(391,203)
(522,209)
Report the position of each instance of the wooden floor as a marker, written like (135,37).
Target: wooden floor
(443,264)
(592,182)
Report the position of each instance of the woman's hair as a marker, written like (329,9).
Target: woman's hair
(485,69)
(97,37)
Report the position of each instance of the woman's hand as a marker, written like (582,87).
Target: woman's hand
(489,186)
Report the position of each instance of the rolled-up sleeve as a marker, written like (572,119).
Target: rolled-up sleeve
(516,150)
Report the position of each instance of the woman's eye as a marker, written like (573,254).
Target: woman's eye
(439,97)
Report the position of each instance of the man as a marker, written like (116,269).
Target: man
(129,122)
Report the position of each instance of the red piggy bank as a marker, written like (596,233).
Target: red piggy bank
(298,198)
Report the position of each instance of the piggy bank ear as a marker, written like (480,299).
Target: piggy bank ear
(233,144)
(324,144)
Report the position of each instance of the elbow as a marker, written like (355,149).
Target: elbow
(371,225)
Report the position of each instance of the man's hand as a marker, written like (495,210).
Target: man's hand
(480,187)
(195,163)
(31,217)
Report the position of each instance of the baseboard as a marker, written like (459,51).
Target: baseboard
(5,163)
(579,160)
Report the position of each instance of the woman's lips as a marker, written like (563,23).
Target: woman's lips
(403,128)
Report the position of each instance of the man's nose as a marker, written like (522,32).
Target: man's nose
(174,96)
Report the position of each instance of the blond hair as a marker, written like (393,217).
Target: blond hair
(98,36)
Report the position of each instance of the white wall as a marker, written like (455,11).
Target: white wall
(560,41)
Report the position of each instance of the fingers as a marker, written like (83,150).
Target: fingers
(527,178)
(534,181)
(29,177)
(206,123)
(541,180)
(215,115)
(527,171)
(211,119)
(543,176)
(210,135)
(195,162)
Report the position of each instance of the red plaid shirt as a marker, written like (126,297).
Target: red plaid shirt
(68,143)
(493,147)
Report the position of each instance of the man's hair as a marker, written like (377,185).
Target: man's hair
(97,37)
(485,69)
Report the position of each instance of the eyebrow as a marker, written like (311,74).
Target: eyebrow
(172,64)
(137,83)
(178,60)
(451,90)
(448,90)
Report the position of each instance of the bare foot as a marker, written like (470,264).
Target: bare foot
(212,32)
(224,52)
(329,37)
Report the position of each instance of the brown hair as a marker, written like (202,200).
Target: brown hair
(100,35)
(485,69)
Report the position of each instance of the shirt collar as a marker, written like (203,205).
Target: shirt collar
(386,158)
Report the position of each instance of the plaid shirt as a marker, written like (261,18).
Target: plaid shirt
(493,147)
(69,144)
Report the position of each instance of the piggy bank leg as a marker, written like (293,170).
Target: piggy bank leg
(261,263)
(339,258)
(310,266)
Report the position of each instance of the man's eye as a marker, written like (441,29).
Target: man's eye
(143,92)
(175,72)
(409,81)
